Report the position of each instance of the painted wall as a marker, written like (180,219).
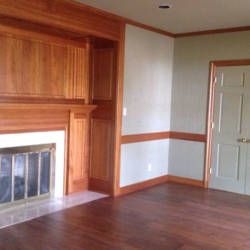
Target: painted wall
(190,93)
(137,156)
(147,98)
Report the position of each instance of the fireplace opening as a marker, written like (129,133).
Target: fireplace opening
(26,174)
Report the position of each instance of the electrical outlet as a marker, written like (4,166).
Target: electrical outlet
(149,167)
(124,112)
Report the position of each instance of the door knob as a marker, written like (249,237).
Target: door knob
(244,140)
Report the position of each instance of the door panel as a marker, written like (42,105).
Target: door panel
(101,141)
(230,113)
(78,152)
(232,76)
(228,161)
(231,123)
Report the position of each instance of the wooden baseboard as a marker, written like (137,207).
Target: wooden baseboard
(187,181)
(142,185)
(159,180)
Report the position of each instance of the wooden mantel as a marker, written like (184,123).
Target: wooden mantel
(72,118)
(48,107)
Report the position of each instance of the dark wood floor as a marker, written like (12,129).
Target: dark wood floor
(168,216)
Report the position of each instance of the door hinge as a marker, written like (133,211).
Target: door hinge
(215,80)
(212,125)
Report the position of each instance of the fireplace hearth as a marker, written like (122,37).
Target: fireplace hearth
(26,173)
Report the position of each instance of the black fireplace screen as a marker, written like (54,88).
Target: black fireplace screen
(26,173)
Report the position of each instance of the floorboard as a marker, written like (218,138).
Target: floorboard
(168,216)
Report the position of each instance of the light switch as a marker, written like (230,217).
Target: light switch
(124,112)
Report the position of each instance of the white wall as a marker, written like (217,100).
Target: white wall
(147,97)
(154,100)
(147,81)
(137,156)
(190,93)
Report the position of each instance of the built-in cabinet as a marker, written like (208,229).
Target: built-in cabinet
(103,118)
(48,83)
(36,68)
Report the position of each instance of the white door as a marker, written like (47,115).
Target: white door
(230,147)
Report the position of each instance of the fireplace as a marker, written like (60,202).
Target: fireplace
(26,173)
(31,167)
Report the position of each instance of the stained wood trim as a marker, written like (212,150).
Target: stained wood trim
(33,35)
(210,32)
(187,181)
(118,112)
(210,115)
(159,180)
(145,137)
(142,185)
(40,100)
(240,62)
(210,112)
(163,135)
(188,136)
(48,106)
(64,14)
(19,131)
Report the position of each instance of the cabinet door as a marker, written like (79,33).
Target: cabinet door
(102,129)
(101,141)
(78,152)
(102,74)
(52,67)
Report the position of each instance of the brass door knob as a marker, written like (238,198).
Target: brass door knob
(244,140)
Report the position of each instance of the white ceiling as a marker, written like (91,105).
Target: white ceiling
(184,16)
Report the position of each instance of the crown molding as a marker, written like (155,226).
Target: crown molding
(211,32)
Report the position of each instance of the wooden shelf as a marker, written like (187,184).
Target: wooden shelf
(49,106)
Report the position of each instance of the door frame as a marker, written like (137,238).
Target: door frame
(210,112)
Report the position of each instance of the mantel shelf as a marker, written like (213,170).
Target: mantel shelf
(66,107)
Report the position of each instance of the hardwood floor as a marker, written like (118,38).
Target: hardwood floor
(168,216)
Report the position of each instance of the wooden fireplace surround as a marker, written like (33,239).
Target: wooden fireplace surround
(48,51)
(73,119)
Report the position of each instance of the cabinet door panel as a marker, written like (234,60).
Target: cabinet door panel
(10,65)
(52,66)
(30,69)
(35,68)
(101,149)
(103,74)
(79,151)
(77,73)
